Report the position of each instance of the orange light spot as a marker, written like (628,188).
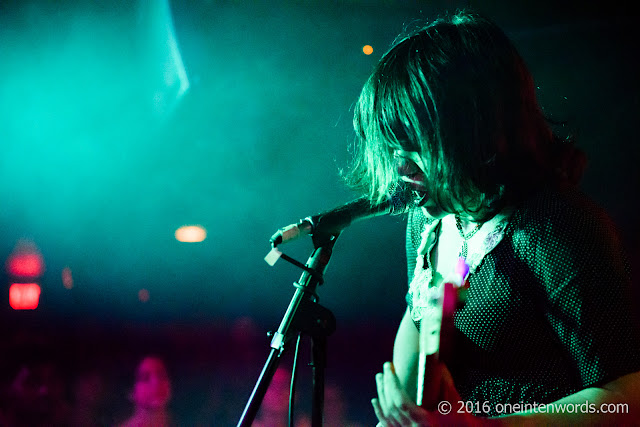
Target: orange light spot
(367,49)
(24,296)
(191,234)
(143,295)
(67,278)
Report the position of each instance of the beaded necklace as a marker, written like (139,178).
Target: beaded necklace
(465,237)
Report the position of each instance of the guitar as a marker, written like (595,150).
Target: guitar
(436,330)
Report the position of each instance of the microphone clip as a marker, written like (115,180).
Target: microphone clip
(275,254)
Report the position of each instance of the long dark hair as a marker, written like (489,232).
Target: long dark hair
(457,92)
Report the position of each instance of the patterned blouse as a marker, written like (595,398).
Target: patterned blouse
(548,311)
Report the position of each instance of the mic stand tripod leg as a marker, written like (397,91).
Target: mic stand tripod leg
(303,315)
(260,389)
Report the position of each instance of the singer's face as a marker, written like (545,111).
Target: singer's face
(412,171)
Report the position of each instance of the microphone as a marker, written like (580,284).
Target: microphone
(333,221)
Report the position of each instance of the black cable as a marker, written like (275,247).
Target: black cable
(294,379)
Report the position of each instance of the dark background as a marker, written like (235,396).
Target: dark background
(104,157)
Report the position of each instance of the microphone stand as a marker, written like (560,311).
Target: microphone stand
(304,315)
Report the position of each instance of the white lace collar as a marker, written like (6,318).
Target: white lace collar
(421,288)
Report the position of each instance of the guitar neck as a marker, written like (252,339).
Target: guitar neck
(429,344)
(441,308)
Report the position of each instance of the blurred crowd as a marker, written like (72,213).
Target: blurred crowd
(159,376)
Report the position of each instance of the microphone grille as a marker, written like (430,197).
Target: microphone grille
(401,198)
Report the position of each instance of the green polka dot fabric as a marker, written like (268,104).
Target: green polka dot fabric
(549,310)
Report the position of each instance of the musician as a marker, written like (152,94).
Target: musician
(451,110)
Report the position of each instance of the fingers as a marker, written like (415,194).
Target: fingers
(384,421)
(397,401)
(383,406)
(377,409)
(393,407)
(382,402)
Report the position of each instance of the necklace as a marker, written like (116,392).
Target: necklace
(465,237)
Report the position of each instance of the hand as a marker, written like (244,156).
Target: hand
(395,408)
